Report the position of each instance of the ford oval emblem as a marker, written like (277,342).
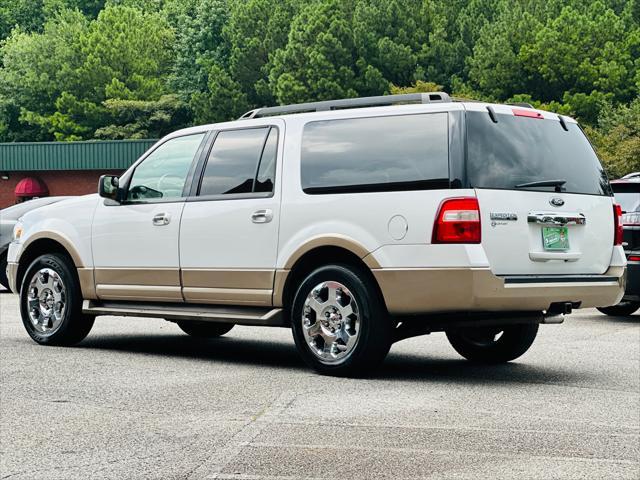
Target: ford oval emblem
(556,202)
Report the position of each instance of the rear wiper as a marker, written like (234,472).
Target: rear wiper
(544,183)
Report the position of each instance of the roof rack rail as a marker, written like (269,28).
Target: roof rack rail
(382,100)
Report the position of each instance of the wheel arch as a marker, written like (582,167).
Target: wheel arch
(42,244)
(288,280)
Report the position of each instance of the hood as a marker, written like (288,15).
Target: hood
(63,208)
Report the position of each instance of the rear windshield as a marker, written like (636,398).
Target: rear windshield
(520,150)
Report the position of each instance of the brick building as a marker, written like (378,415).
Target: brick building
(62,168)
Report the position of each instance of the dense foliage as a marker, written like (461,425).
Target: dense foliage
(82,69)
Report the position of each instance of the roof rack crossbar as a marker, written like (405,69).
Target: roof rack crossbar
(382,100)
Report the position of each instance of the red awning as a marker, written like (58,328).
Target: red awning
(31,187)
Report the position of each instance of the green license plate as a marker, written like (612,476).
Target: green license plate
(555,238)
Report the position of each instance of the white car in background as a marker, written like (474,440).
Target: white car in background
(356,223)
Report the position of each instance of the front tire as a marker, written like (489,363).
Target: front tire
(51,302)
(493,344)
(339,321)
(623,309)
(205,329)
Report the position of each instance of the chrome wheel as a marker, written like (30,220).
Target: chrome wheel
(331,322)
(46,301)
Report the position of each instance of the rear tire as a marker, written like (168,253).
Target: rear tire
(339,321)
(205,329)
(493,344)
(51,302)
(623,309)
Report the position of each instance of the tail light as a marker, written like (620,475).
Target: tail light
(458,221)
(617,223)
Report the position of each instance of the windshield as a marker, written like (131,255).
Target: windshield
(518,151)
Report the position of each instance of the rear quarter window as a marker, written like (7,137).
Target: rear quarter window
(388,153)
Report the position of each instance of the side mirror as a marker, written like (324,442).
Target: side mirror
(108,187)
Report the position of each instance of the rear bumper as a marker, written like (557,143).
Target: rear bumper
(420,290)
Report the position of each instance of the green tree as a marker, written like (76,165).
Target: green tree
(90,8)
(28,15)
(618,139)
(144,118)
(59,79)
(255,31)
(320,61)
(580,51)
(73,69)
(418,87)
(390,35)
(199,44)
(495,68)
(37,69)
(223,100)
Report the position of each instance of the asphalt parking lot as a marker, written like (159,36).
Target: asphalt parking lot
(140,399)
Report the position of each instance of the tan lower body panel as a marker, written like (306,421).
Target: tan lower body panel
(87,283)
(137,276)
(278,287)
(228,287)
(145,284)
(238,278)
(416,291)
(147,293)
(208,286)
(228,296)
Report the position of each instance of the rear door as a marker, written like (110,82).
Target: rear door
(545,201)
(229,229)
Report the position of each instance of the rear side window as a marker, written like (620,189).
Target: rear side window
(408,152)
(267,169)
(519,150)
(241,162)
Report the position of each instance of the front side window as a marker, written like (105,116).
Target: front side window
(241,162)
(162,175)
(408,152)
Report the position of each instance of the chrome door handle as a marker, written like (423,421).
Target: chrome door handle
(262,216)
(161,219)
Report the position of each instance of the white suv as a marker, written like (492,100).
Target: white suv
(357,223)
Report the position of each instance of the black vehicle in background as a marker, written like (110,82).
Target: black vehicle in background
(627,193)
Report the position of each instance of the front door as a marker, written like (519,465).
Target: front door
(229,231)
(135,243)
